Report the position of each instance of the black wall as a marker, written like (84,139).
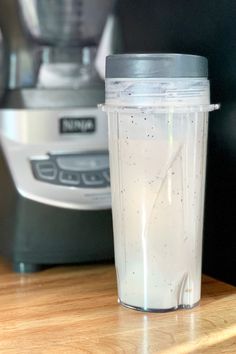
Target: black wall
(207,28)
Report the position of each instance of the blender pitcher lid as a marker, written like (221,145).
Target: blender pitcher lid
(156,66)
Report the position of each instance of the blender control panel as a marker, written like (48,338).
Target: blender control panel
(84,170)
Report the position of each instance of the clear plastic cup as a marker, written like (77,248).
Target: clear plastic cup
(158,119)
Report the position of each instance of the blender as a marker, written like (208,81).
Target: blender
(55,182)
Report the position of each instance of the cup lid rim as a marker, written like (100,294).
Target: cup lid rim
(156,65)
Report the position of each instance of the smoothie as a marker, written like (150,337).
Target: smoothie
(157,199)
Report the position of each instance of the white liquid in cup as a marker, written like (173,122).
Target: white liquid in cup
(158,178)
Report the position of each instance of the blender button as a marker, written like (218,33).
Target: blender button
(92,179)
(46,170)
(70,178)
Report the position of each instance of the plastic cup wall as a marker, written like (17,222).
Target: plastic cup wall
(157,143)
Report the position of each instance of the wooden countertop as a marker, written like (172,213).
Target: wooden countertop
(75,310)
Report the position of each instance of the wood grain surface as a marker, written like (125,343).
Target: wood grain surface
(75,310)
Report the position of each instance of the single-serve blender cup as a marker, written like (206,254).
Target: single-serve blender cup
(157,107)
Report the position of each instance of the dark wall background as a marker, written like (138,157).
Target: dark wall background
(207,28)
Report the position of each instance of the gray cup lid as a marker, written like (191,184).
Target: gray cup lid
(156,66)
